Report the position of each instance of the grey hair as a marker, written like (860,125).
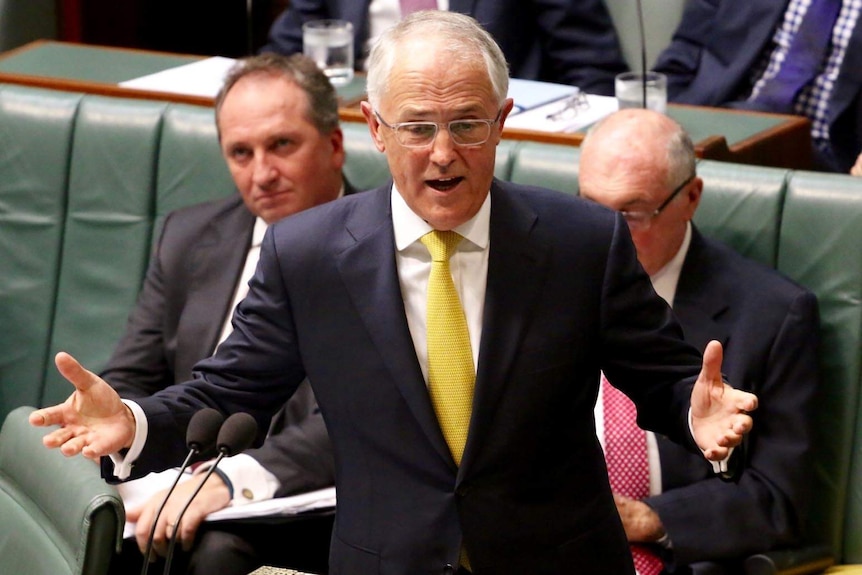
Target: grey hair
(681,158)
(463,38)
(322,108)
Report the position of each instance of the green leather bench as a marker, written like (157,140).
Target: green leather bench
(85,181)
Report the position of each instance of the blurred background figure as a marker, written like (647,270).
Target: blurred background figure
(786,56)
(563,41)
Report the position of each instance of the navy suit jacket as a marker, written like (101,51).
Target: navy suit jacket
(769,328)
(565,297)
(564,41)
(178,319)
(710,59)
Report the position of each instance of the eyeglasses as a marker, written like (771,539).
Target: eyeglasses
(421,134)
(643,219)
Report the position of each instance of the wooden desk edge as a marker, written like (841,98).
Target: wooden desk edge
(794,132)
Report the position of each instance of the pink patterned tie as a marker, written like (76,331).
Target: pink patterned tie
(628,468)
(410,6)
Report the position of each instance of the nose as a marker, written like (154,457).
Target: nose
(442,147)
(264,173)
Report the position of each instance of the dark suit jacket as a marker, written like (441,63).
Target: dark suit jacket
(718,42)
(769,328)
(178,318)
(565,297)
(565,41)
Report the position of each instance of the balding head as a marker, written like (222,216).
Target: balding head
(633,161)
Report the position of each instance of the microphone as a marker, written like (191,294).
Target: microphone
(643,53)
(235,436)
(200,437)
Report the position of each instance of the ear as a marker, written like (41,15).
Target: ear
(336,140)
(508,104)
(695,190)
(373,126)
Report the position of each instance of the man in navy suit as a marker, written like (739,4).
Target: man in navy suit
(563,41)
(550,291)
(725,53)
(277,120)
(642,163)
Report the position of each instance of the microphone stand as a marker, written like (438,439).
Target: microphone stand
(176,526)
(643,52)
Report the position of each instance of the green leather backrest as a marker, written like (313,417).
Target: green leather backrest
(365,167)
(547,165)
(106,244)
(59,516)
(821,248)
(35,144)
(84,180)
(190,165)
(742,207)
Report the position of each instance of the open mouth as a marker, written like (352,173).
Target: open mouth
(445,184)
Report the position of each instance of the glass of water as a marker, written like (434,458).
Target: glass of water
(330,44)
(629,90)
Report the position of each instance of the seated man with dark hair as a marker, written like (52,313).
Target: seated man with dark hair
(277,121)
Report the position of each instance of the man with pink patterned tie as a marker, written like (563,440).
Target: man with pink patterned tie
(675,512)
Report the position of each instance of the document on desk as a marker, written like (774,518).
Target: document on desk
(137,492)
(201,78)
(529,94)
(563,115)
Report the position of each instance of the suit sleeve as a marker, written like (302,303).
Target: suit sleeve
(710,519)
(580,44)
(285,34)
(297,450)
(138,366)
(681,59)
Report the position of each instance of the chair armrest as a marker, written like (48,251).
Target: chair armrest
(800,561)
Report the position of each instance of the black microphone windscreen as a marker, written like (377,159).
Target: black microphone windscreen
(203,429)
(237,434)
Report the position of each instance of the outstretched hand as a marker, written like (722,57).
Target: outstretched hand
(93,421)
(719,412)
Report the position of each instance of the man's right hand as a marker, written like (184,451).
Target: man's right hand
(93,421)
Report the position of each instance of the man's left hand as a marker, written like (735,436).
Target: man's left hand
(641,522)
(719,413)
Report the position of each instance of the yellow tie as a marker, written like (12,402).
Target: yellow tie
(451,375)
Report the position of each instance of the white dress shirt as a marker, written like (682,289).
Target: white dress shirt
(469,266)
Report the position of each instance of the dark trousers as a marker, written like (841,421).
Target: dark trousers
(240,547)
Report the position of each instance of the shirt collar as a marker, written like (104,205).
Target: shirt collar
(258,232)
(665,280)
(409,227)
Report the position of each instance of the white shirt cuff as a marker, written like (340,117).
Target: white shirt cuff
(251,481)
(123,463)
(717,466)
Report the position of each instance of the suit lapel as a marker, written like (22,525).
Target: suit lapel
(369,272)
(516,271)
(699,303)
(217,263)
